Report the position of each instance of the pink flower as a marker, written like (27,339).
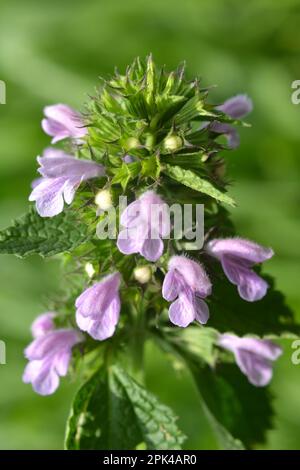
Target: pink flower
(42,324)
(236,107)
(253,356)
(61,176)
(237,257)
(187,282)
(62,121)
(49,355)
(146,221)
(98,307)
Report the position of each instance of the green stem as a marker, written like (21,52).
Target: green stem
(137,341)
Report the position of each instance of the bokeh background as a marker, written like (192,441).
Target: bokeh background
(53,52)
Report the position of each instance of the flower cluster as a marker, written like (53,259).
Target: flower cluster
(146,223)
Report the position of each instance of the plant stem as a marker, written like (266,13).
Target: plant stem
(137,340)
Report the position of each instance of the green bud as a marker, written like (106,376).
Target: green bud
(172,143)
(132,143)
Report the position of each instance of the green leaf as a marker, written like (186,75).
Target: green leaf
(32,234)
(267,317)
(196,341)
(193,181)
(112,411)
(150,81)
(151,167)
(126,173)
(194,108)
(240,414)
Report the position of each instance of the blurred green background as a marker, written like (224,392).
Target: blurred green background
(53,52)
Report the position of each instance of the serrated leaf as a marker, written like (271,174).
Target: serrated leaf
(32,234)
(112,411)
(268,317)
(240,414)
(195,341)
(192,180)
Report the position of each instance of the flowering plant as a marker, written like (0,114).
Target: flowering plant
(153,137)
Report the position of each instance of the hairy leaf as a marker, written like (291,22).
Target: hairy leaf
(32,234)
(192,180)
(112,411)
(267,317)
(240,414)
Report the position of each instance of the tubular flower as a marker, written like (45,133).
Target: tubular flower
(187,282)
(236,107)
(146,221)
(49,355)
(237,256)
(62,121)
(61,176)
(98,307)
(253,356)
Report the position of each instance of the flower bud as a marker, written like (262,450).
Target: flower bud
(132,143)
(89,269)
(172,143)
(142,274)
(103,199)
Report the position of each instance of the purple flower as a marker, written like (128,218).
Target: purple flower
(253,356)
(49,355)
(236,107)
(61,176)
(128,159)
(98,307)
(42,324)
(146,221)
(61,122)
(237,256)
(187,282)
(231,134)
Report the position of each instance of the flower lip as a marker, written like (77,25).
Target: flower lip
(185,285)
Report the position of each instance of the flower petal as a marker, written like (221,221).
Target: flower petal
(170,288)
(237,107)
(258,370)
(152,249)
(201,310)
(240,248)
(43,324)
(182,311)
(192,273)
(127,244)
(49,197)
